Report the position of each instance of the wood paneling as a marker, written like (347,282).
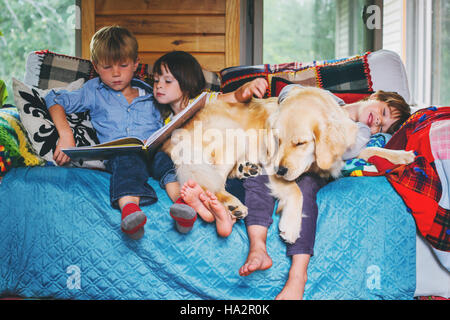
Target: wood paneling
(118,7)
(232,31)
(190,43)
(215,61)
(208,29)
(160,24)
(87,26)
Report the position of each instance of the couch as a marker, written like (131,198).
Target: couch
(60,238)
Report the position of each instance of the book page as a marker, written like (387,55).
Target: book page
(178,120)
(129,141)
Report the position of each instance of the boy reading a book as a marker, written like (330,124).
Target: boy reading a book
(120,106)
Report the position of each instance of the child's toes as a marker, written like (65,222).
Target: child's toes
(211,195)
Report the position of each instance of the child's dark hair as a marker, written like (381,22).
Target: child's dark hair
(188,72)
(397,104)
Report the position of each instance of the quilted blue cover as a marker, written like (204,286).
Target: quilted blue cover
(59,238)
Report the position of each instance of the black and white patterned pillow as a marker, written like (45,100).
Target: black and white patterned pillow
(40,128)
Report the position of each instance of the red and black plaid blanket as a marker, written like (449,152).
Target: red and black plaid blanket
(424,184)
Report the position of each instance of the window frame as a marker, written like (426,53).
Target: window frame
(419,51)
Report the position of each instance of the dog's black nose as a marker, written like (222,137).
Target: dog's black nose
(282,171)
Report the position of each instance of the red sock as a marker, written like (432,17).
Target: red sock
(181,201)
(140,220)
(184,218)
(129,208)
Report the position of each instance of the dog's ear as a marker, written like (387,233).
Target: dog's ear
(270,138)
(269,146)
(324,154)
(332,138)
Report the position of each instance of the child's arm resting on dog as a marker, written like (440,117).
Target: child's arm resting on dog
(256,87)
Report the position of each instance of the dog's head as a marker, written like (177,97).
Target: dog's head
(310,129)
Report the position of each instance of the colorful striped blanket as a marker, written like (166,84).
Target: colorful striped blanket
(15,148)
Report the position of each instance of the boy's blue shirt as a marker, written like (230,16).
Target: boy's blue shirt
(111,115)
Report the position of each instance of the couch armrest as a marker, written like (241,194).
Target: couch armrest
(388,73)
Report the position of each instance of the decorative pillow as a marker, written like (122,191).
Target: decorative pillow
(41,130)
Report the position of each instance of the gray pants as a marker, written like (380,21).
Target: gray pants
(261,204)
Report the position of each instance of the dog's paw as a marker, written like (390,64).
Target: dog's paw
(248,169)
(289,230)
(238,211)
(290,235)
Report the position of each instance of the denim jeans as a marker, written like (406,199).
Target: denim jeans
(129,175)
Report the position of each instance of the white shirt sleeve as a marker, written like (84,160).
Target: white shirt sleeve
(362,138)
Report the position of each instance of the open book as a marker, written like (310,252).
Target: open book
(106,150)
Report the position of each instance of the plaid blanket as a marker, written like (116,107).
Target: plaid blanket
(57,70)
(338,76)
(52,70)
(424,184)
(349,75)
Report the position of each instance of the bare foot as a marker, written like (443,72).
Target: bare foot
(224,221)
(257,259)
(293,289)
(190,192)
(295,285)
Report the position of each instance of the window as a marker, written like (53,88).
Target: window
(427,56)
(30,25)
(440,84)
(307,30)
(418,30)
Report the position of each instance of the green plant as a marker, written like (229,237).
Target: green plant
(30,25)
(3,93)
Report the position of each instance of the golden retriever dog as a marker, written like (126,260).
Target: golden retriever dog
(223,140)
(308,130)
(312,133)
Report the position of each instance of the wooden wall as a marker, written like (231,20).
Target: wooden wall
(208,29)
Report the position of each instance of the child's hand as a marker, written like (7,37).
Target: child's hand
(256,87)
(64,142)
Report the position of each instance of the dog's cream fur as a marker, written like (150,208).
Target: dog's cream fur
(311,132)
(206,156)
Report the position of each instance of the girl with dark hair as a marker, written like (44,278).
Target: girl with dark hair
(178,79)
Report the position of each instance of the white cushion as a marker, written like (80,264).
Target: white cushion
(388,73)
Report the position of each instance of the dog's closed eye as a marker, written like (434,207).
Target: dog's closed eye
(299,143)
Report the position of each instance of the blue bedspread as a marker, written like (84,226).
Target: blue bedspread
(59,238)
